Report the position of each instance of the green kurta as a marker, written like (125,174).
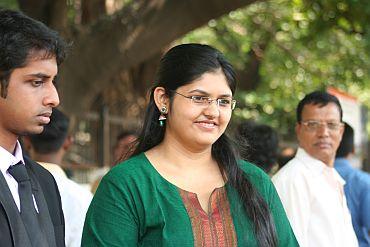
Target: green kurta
(135,206)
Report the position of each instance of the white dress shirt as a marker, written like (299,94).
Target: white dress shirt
(315,205)
(75,202)
(6,160)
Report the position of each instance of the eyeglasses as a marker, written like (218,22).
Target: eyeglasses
(313,125)
(206,101)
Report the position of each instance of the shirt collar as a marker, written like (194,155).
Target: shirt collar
(53,169)
(8,159)
(317,166)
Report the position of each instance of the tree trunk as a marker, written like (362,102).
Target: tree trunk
(92,10)
(51,12)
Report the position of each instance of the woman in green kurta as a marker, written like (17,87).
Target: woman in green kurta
(184,185)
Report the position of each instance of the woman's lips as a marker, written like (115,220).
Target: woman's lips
(206,125)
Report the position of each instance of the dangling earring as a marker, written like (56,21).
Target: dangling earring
(162,117)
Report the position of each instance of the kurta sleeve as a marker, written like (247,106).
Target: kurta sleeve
(111,219)
(295,196)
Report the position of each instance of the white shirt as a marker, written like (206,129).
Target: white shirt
(6,160)
(317,211)
(75,202)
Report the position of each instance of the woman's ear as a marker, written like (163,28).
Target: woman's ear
(161,98)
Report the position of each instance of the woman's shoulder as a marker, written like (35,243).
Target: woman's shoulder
(134,161)
(131,167)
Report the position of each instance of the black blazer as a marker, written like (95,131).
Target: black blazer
(46,193)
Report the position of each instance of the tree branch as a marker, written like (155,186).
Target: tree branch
(129,38)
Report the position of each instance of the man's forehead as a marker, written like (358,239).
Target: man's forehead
(314,109)
(38,55)
(39,64)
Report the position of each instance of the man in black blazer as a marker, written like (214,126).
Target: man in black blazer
(29,57)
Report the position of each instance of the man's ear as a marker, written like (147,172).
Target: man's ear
(67,142)
(341,131)
(3,89)
(297,131)
(297,128)
(161,98)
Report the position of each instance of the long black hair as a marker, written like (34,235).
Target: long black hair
(179,66)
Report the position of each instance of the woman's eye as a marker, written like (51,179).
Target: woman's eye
(197,99)
(224,102)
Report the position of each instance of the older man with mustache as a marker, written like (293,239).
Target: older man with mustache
(309,187)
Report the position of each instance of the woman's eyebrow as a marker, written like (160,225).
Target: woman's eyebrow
(205,93)
(198,91)
(225,96)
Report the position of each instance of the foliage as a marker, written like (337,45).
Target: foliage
(9,4)
(302,46)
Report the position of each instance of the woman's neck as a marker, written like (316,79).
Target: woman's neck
(183,156)
(190,169)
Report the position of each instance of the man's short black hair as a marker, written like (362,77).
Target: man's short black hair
(259,144)
(21,38)
(347,144)
(320,98)
(53,135)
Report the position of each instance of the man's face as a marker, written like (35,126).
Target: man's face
(30,99)
(320,131)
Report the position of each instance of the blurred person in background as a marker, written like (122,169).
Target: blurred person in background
(124,146)
(48,149)
(122,149)
(357,187)
(259,145)
(285,155)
